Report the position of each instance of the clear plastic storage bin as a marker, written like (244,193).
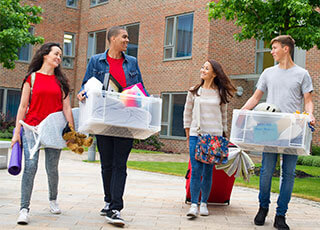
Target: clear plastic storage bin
(258,131)
(119,114)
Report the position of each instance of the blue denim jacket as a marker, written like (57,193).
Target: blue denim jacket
(98,66)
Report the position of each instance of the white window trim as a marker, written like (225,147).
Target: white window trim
(174,38)
(169,122)
(73,49)
(98,4)
(72,7)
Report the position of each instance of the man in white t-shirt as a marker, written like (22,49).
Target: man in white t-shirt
(286,85)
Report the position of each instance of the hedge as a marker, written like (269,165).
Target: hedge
(309,160)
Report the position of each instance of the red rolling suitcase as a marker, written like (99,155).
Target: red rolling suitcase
(221,187)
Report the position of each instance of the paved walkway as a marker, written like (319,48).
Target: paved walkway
(152,201)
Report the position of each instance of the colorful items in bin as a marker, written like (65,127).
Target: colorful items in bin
(75,140)
(265,132)
(131,98)
(309,124)
(137,87)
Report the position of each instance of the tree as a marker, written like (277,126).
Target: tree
(266,19)
(15,20)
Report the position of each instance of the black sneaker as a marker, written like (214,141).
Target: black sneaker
(113,217)
(103,211)
(261,216)
(280,223)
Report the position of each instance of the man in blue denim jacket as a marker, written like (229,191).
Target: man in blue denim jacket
(114,151)
(98,66)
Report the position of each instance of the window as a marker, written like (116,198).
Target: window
(96,43)
(68,50)
(178,37)
(172,114)
(9,101)
(264,58)
(97,2)
(25,52)
(72,3)
(133,33)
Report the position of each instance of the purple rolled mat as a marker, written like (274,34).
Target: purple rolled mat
(16,157)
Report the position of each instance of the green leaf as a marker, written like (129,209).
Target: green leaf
(15,20)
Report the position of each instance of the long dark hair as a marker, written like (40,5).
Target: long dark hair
(225,86)
(37,62)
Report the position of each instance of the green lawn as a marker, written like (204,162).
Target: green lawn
(171,168)
(304,187)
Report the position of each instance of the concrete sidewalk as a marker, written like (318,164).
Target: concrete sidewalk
(152,201)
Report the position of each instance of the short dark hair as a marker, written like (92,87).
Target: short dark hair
(114,31)
(285,40)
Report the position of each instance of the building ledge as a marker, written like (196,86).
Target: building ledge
(245,77)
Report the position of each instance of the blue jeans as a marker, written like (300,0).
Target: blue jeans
(269,161)
(198,170)
(30,169)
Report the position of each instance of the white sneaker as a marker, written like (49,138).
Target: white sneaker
(23,217)
(54,207)
(193,211)
(204,210)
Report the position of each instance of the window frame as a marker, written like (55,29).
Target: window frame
(133,24)
(73,7)
(174,37)
(30,51)
(3,110)
(98,4)
(95,45)
(169,122)
(258,51)
(73,50)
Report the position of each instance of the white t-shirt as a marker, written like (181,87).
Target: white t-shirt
(285,87)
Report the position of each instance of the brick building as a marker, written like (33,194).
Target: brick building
(170,38)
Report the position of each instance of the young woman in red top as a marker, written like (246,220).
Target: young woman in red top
(50,93)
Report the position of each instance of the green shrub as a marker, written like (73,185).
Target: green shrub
(299,161)
(309,161)
(315,150)
(316,163)
(5,134)
(151,143)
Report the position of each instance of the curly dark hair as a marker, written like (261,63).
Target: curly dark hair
(225,86)
(37,62)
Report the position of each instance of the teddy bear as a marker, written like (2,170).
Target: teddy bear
(75,140)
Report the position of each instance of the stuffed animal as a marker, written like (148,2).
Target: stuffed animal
(75,140)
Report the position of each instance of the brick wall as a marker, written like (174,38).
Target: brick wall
(313,66)
(57,19)
(210,40)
